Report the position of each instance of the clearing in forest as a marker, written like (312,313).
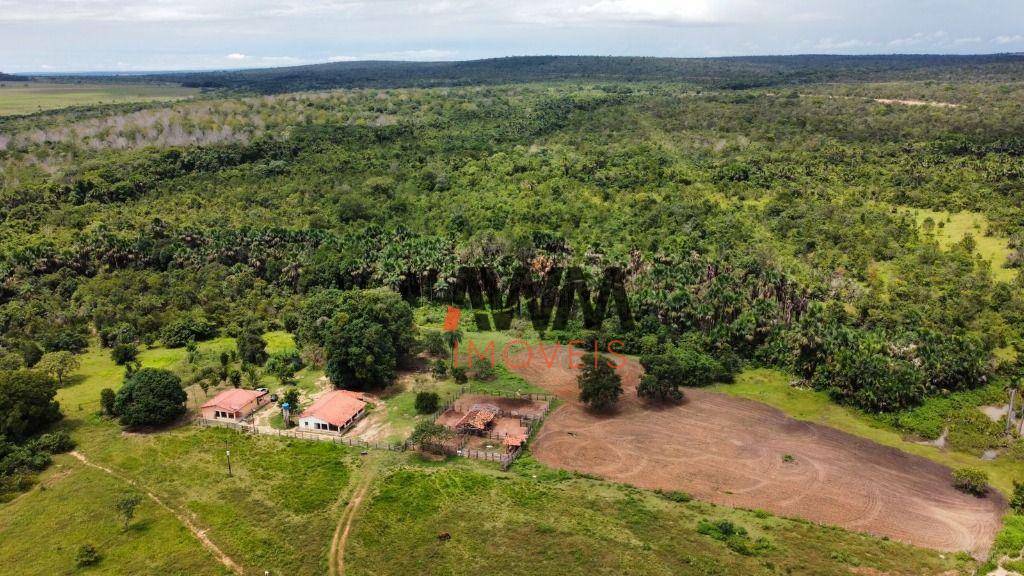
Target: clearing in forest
(741,453)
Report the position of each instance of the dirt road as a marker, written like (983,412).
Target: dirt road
(198,532)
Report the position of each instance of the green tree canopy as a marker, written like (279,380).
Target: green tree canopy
(600,384)
(27,404)
(151,397)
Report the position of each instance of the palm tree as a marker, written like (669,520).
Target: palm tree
(452,338)
(252,375)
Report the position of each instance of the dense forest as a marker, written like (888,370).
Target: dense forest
(773,226)
(715,73)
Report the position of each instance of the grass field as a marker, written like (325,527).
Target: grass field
(29,97)
(72,506)
(279,508)
(772,387)
(538,522)
(98,371)
(954,227)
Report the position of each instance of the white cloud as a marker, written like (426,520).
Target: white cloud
(235,56)
(919,39)
(616,11)
(199,34)
(828,44)
(418,55)
(1015,39)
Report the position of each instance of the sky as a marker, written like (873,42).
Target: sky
(149,35)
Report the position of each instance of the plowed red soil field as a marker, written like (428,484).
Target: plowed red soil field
(742,453)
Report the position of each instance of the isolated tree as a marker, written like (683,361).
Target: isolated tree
(600,384)
(252,375)
(236,378)
(27,404)
(58,364)
(252,348)
(430,436)
(224,359)
(452,338)
(284,365)
(125,506)
(122,354)
(151,397)
(291,398)
(459,375)
(360,354)
(970,480)
(107,397)
(426,402)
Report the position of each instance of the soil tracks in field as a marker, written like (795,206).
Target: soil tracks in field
(742,453)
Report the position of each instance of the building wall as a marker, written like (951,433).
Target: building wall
(211,412)
(309,423)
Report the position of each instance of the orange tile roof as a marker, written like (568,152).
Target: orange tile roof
(476,419)
(335,407)
(233,400)
(513,440)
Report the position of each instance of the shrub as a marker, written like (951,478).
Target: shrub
(439,369)
(11,361)
(483,369)
(151,397)
(1017,499)
(180,332)
(30,353)
(971,481)
(459,375)
(72,340)
(735,537)
(122,354)
(87,555)
(655,389)
(674,496)
(427,402)
(435,345)
(57,442)
(107,402)
(120,333)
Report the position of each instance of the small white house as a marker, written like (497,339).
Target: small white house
(334,411)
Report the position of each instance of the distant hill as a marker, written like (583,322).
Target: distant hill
(728,73)
(12,78)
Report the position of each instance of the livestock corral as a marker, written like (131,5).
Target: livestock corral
(742,453)
(491,427)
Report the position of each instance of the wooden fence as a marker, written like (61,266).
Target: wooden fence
(302,435)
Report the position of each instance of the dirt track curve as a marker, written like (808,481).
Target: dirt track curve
(199,533)
(733,452)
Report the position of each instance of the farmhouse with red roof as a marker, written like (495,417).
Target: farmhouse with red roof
(234,404)
(334,411)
